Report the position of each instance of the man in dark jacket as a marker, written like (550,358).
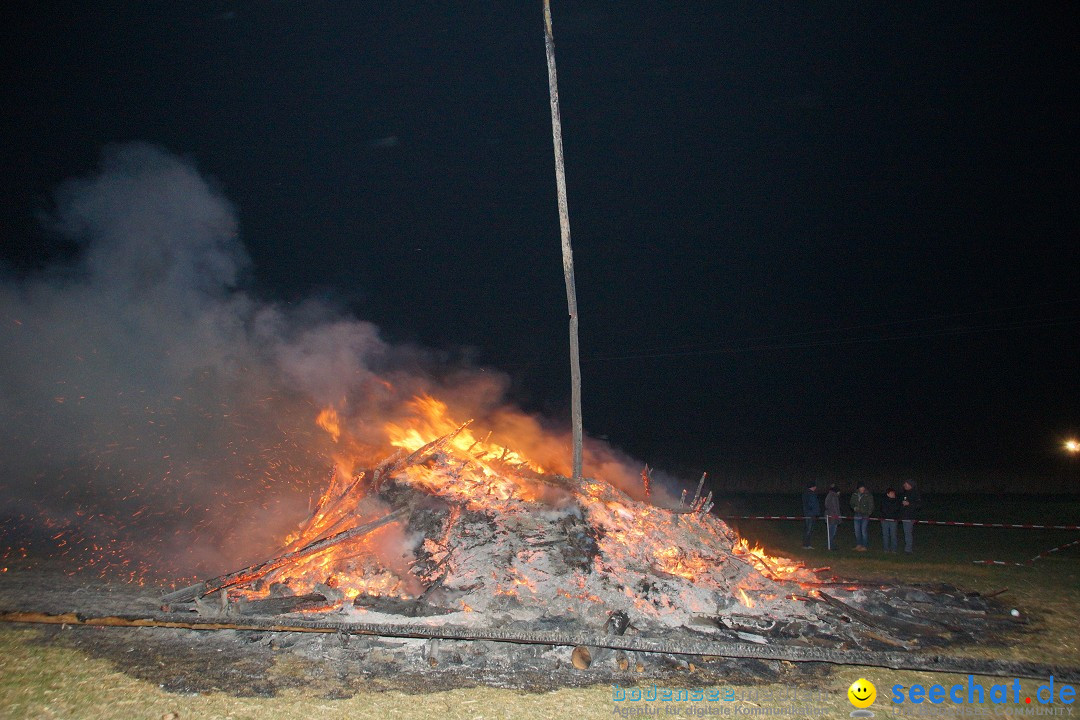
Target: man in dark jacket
(909,512)
(832,514)
(811,508)
(890,513)
(862,502)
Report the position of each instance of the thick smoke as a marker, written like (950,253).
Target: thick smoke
(157,412)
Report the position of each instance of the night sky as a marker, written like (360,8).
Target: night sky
(811,239)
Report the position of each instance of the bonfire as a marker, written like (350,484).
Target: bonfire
(452,531)
(453,524)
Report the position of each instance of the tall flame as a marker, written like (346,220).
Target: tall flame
(328,420)
(431,420)
(475,470)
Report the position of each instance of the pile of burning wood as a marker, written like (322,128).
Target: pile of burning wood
(455,533)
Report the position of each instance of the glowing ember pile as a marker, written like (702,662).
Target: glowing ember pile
(482,529)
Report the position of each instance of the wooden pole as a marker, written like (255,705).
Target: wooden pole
(567,250)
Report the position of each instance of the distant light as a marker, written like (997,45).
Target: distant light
(1072,446)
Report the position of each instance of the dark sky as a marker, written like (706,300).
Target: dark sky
(818,237)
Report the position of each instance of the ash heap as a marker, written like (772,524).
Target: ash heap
(458,537)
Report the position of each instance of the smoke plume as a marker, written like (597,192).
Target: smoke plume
(159,415)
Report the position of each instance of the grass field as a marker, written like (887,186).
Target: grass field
(1048,591)
(40,680)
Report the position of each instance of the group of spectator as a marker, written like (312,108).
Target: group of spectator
(902,508)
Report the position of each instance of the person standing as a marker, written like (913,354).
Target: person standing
(811,508)
(909,512)
(890,513)
(862,502)
(832,514)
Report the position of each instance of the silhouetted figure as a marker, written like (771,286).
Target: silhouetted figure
(891,508)
(862,502)
(811,508)
(911,504)
(832,514)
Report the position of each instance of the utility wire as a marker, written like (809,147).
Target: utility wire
(761,343)
(944,332)
(868,326)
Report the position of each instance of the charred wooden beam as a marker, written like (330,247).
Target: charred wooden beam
(697,493)
(384,469)
(885,624)
(312,602)
(896,660)
(399,606)
(852,612)
(888,640)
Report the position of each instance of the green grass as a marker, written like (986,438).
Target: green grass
(1047,591)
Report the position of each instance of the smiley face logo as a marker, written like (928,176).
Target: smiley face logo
(862,693)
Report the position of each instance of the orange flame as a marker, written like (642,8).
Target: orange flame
(476,470)
(328,420)
(676,561)
(432,420)
(776,568)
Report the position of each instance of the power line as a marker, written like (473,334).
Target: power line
(760,343)
(944,332)
(872,326)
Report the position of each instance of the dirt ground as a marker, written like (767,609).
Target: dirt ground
(41,678)
(92,672)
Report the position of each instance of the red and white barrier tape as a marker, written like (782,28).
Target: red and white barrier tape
(1040,556)
(1017,526)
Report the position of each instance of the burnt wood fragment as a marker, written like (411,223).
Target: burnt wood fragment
(883,623)
(312,602)
(399,606)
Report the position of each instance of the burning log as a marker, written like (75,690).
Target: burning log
(254,572)
(706,504)
(316,514)
(338,505)
(388,468)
